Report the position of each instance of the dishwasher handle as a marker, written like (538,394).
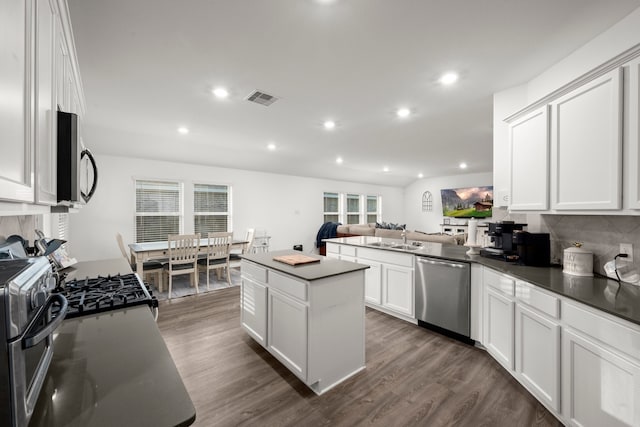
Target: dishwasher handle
(424,260)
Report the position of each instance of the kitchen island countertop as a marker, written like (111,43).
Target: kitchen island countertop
(112,369)
(326,267)
(621,300)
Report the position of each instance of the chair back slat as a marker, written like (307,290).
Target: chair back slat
(183,248)
(219,245)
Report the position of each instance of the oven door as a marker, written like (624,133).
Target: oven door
(29,358)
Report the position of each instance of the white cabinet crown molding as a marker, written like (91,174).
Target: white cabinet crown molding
(612,64)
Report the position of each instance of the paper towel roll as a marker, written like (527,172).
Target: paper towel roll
(473,231)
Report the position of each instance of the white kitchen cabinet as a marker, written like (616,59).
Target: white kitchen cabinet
(287,320)
(254,309)
(600,387)
(537,355)
(499,311)
(16,63)
(47,24)
(632,134)
(499,316)
(313,327)
(529,150)
(398,289)
(372,282)
(586,146)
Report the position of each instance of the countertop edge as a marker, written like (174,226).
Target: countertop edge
(458,253)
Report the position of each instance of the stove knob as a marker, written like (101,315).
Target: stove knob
(38,297)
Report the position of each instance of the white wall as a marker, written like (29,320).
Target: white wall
(430,221)
(290,208)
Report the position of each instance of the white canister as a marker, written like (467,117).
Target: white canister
(577,261)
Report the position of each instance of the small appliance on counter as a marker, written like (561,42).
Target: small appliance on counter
(533,249)
(29,316)
(577,261)
(502,242)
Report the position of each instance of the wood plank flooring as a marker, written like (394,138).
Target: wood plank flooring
(414,377)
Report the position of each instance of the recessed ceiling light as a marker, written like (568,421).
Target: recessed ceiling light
(403,112)
(220,92)
(329,124)
(385,169)
(420,175)
(183,130)
(463,165)
(271,146)
(339,160)
(449,78)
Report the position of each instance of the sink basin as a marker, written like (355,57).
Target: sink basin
(406,246)
(382,244)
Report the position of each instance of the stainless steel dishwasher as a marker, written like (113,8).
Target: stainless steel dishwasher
(443,295)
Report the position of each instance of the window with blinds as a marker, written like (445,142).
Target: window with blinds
(158,210)
(211,208)
(353,209)
(331,207)
(373,213)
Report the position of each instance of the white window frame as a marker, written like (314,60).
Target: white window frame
(340,204)
(228,214)
(378,211)
(179,213)
(343,205)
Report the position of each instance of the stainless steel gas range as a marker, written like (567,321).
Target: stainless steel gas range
(27,324)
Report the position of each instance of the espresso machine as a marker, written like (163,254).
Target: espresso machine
(510,242)
(502,244)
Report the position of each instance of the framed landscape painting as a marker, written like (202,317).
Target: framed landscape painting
(468,202)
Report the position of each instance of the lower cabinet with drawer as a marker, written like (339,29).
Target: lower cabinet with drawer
(499,309)
(581,363)
(314,328)
(600,368)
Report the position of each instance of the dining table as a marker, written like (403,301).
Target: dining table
(159,251)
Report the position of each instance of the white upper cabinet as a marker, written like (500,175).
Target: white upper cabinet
(529,150)
(632,134)
(586,146)
(16,65)
(45,96)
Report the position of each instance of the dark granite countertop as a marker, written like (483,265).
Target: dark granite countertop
(621,300)
(112,369)
(327,267)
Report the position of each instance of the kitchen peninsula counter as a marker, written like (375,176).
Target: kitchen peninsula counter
(112,369)
(621,300)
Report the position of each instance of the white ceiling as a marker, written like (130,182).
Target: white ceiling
(148,67)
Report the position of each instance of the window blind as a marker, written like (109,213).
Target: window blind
(158,210)
(211,208)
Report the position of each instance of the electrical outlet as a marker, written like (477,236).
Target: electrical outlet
(627,248)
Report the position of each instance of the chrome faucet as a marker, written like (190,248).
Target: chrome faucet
(404,235)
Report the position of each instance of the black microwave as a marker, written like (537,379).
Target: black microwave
(77,170)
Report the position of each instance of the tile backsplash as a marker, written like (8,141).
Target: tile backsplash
(601,235)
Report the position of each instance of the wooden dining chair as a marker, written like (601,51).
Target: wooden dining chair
(217,255)
(234,257)
(151,268)
(183,257)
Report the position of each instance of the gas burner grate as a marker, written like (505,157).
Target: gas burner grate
(99,294)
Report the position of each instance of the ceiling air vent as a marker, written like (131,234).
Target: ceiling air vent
(261,98)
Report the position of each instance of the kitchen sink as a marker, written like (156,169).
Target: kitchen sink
(406,246)
(382,244)
(392,245)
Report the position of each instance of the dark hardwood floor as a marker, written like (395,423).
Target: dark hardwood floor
(414,377)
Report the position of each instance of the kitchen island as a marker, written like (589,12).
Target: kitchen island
(111,369)
(310,317)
